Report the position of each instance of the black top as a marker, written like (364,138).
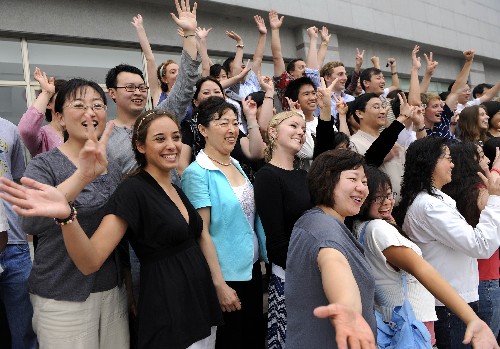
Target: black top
(281,197)
(379,149)
(178,303)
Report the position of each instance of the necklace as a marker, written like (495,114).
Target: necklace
(219,162)
(277,164)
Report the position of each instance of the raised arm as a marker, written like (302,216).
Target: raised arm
(252,145)
(238,57)
(275,22)
(312,54)
(32,120)
(154,84)
(414,92)
(394,74)
(429,71)
(201,40)
(261,44)
(357,72)
(491,93)
(266,110)
(375,61)
(461,80)
(323,48)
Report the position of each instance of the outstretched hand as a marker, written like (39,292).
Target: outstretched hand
(186,18)
(415,61)
(431,64)
(325,34)
(137,22)
(34,199)
(324,94)
(480,335)
(350,327)
(359,58)
(261,25)
(274,20)
(202,33)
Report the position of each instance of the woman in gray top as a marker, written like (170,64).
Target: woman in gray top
(72,310)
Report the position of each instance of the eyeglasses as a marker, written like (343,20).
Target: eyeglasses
(96,107)
(132,88)
(382,198)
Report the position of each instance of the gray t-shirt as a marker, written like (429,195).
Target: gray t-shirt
(54,275)
(12,167)
(303,286)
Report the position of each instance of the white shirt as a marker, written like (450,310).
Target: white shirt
(380,235)
(461,107)
(449,243)
(307,151)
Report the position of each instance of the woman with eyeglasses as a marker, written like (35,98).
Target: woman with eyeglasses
(473,124)
(179,307)
(390,254)
(448,242)
(232,239)
(72,309)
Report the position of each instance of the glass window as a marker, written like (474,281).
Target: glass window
(67,61)
(12,103)
(11,67)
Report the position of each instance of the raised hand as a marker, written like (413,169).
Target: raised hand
(415,61)
(469,55)
(185,19)
(350,327)
(431,64)
(294,106)
(92,160)
(391,61)
(261,25)
(325,34)
(34,199)
(359,58)
(202,33)
(341,105)
(266,83)
(324,94)
(375,61)
(274,20)
(312,32)
(137,22)
(47,85)
(249,106)
(233,35)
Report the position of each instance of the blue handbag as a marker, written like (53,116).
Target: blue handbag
(404,331)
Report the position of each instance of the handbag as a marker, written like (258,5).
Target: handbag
(404,331)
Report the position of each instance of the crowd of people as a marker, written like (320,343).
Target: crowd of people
(151,230)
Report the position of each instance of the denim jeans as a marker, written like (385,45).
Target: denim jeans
(16,262)
(489,304)
(450,330)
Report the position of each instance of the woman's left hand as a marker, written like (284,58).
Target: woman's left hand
(186,18)
(92,160)
(34,199)
(480,335)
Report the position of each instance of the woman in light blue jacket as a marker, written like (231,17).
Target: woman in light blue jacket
(232,238)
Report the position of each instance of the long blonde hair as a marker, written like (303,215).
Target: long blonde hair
(274,123)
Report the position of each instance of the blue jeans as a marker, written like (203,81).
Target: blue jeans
(450,330)
(16,262)
(489,304)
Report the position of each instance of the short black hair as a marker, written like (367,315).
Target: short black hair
(227,65)
(212,109)
(360,104)
(216,69)
(292,90)
(57,84)
(479,89)
(367,74)
(291,65)
(112,75)
(71,88)
(324,174)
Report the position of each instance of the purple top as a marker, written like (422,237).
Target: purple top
(37,138)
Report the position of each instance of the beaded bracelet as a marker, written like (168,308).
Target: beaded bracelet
(495,170)
(70,219)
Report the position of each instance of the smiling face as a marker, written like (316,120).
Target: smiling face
(75,119)
(130,103)
(290,135)
(442,172)
(162,146)
(350,192)
(208,89)
(376,84)
(374,115)
(482,119)
(382,204)
(221,133)
(340,73)
(170,74)
(307,99)
(433,111)
(464,94)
